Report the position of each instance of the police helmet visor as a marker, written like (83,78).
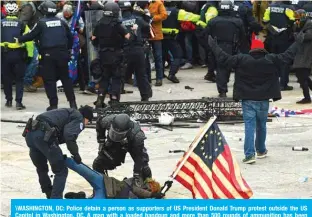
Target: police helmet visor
(115,135)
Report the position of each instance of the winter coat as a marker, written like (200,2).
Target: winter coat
(303,58)
(159,14)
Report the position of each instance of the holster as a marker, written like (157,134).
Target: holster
(51,133)
(27,127)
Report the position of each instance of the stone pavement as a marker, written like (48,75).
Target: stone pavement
(274,177)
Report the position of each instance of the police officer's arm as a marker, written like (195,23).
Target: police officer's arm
(122,30)
(284,58)
(100,130)
(29,44)
(70,38)
(266,16)
(136,150)
(187,16)
(145,26)
(71,132)
(32,34)
(254,25)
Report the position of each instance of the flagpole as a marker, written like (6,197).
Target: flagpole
(189,152)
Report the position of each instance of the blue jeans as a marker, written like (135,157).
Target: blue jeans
(95,179)
(157,51)
(32,68)
(255,114)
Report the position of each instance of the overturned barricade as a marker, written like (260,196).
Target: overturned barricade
(182,110)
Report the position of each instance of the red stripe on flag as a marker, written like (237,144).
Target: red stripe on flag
(221,186)
(184,183)
(188,172)
(228,156)
(204,176)
(200,189)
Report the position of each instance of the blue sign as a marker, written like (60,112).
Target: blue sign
(161,208)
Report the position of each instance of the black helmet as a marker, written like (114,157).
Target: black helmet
(48,8)
(111,9)
(125,5)
(120,127)
(87,112)
(96,70)
(142,4)
(226,5)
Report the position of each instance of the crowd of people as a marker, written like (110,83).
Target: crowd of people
(157,34)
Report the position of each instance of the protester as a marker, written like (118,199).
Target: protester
(256,82)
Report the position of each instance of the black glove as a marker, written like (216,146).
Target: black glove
(77,158)
(212,42)
(299,37)
(157,195)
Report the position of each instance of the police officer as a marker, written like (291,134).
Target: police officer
(123,136)
(280,19)
(134,47)
(308,9)
(13,55)
(55,41)
(170,29)
(43,138)
(207,12)
(244,11)
(108,37)
(229,32)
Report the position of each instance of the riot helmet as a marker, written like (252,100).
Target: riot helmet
(11,8)
(48,8)
(226,5)
(111,9)
(142,4)
(120,127)
(125,5)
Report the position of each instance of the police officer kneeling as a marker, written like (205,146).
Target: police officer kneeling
(55,42)
(43,137)
(123,136)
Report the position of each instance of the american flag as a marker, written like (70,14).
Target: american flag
(209,170)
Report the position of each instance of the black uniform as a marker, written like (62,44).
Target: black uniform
(169,43)
(308,8)
(13,59)
(250,24)
(109,35)
(112,154)
(64,126)
(134,51)
(55,41)
(278,41)
(229,31)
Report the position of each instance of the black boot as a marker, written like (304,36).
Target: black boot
(72,104)
(99,103)
(210,77)
(304,101)
(52,107)
(20,106)
(8,104)
(74,195)
(173,78)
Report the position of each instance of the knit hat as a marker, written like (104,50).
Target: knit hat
(87,112)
